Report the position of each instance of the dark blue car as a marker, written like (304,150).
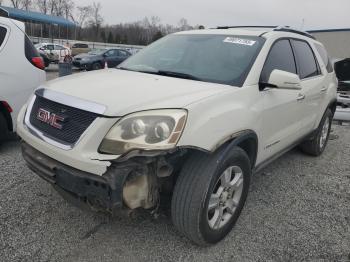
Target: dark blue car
(96,59)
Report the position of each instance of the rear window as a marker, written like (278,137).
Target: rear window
(3,32)
(324,55)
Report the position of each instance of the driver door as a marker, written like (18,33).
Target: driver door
(281,119)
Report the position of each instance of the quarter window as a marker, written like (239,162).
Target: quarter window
(323,53)
(3,32)
(307,65)
(280,57)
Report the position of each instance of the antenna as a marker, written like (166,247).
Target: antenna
(302,24)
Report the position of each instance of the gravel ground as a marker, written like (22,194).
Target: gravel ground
(298,209)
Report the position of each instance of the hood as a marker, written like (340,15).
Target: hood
(342,70)
(124,92)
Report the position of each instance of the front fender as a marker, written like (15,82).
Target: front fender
(218,119)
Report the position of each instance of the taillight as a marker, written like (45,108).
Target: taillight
(7,106)
(38,62)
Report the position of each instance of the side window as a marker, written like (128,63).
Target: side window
(280,57)
(58,47)
(123,53)
(323,53)
(50,47)
(3,32)
(112,53)
(307,65)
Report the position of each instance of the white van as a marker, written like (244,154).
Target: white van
(21,71)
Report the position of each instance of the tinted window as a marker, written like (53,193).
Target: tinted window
(123,53)
(323,53)
(49,47)
(280,57)
(307,66)
(112,53)
(3,32)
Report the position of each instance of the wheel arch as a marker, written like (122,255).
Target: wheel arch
(246,140)
(333,106)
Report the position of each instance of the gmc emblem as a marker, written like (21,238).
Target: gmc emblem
(50,118)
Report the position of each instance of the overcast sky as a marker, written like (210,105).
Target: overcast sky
(317,14)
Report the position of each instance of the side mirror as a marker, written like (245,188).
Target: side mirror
(283,80)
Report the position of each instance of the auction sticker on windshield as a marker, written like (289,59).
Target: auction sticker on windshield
(240,41)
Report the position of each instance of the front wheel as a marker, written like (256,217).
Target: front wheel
(210,194)
(318,143)
(96,66)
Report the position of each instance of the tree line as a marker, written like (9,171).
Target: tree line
(90,24)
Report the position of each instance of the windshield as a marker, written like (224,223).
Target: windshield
(224,59)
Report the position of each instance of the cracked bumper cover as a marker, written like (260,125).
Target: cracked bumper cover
(99,192)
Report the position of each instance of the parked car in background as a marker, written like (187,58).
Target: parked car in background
(79,48)
(54,51)
(342,68)
(96,59)
(17,79)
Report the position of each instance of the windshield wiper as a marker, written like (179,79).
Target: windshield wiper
(164,73)
(177,74)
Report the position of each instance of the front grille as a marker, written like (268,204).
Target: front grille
(75,123)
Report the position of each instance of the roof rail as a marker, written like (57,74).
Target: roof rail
(246,26)
(275,28)
(292,30)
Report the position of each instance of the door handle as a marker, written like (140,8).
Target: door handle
(300,97)
(323,89)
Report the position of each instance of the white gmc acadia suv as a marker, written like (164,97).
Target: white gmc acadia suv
(191,116)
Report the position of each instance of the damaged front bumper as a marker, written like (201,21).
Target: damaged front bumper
(103,193)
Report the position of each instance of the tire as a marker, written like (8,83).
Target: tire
(317,144)
(96,66)
(196,185)
(4,130)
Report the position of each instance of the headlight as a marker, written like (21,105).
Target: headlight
(149,130)
(85,59)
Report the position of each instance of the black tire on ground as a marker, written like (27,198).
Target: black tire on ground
(315,146)
(197,181)
(4,131)
(96,66)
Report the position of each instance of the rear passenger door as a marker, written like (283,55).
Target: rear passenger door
(312,82)
(281,115)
